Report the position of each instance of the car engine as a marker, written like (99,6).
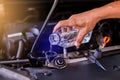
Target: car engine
(26,36)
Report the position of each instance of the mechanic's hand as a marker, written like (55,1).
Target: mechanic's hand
(85,22)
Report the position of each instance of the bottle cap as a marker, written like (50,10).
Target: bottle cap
(54,39)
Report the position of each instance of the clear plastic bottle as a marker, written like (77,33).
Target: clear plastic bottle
(67,39)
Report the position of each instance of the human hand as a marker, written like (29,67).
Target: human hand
(84,22)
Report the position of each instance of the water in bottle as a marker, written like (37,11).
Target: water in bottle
(67,39)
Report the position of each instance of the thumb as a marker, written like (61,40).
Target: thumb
(80,37)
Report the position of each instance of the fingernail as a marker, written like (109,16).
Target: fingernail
(77,45)
(53,31)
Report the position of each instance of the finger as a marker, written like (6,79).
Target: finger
(64,29)
(80,37)
(69,29)
(61,24)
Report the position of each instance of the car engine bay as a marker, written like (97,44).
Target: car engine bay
(26,52)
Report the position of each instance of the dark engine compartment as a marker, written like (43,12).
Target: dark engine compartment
(22,24)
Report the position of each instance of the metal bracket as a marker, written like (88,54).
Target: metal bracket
(93,58)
